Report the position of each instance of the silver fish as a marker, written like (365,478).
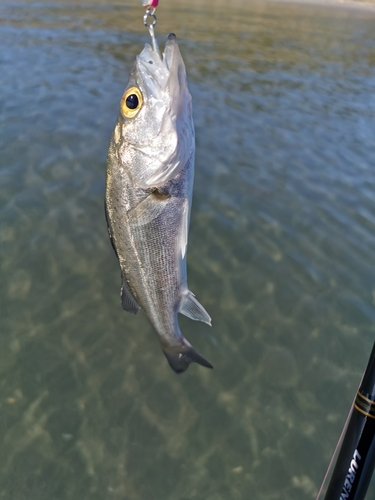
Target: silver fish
(150,172)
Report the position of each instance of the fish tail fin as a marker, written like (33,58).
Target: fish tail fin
(180,358)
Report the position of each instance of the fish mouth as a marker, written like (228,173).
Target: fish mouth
(172,56)
(159,73)
(163,131)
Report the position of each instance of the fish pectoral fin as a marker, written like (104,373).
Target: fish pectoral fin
(148,209)
(127,300)
(191,308)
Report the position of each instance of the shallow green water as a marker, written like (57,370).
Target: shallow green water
(281,253)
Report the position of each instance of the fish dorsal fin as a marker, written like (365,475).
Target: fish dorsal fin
(148,209)
(184,230)
(127,300)
(191,308)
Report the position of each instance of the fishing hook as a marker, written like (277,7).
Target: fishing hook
(150,12)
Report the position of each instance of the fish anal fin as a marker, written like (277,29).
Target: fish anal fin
(127,300)
(191,308)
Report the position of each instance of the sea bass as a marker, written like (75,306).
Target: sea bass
(150,172)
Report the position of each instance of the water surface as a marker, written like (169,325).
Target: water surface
(281,254)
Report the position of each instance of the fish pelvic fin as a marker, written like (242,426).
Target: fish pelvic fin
(191,308)
(179,358)
(127,300)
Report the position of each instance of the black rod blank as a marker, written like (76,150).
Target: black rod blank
(352,471)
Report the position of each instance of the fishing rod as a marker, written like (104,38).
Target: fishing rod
(351,467)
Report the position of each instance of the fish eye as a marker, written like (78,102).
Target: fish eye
(131,102)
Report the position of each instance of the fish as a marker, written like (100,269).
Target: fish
(149,184)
